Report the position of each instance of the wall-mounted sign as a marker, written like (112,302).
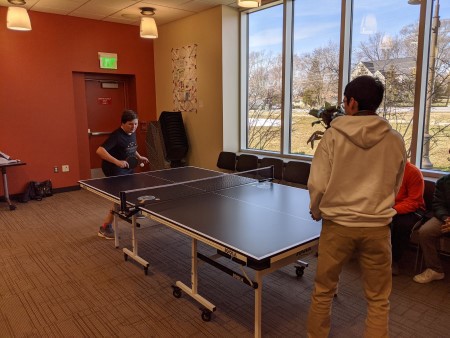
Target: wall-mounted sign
(104,100)
(107,60)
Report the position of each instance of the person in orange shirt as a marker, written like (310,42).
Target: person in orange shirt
(409,204)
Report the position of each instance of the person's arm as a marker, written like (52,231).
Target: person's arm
(440,208)
(319,177)
(104,155)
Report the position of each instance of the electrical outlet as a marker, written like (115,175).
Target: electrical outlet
(65,168)
(55,169)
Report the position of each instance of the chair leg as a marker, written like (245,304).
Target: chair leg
(419,255)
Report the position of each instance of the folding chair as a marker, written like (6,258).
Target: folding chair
(277,164)
(297,172)
(227,160)
(246,162)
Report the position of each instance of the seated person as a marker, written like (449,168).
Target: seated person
(432,230)
(409,204)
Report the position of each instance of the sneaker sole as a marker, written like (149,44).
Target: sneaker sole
(428,281)
(99,234)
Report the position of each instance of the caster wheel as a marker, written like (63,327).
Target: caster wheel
(206,315)
(12,207)
(299,271)
(176,292)
(146,270)
(125,256)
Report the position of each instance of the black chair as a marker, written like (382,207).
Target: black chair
(246,162)
(297,172)
(277,164)
(227,160)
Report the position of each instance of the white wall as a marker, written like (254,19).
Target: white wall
(215,32)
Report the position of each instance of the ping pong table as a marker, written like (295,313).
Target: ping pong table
(257,224)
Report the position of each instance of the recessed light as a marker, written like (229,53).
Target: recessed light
(17,2)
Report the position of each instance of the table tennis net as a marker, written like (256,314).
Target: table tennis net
(179,190)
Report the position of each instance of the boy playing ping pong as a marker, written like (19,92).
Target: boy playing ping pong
(119,157)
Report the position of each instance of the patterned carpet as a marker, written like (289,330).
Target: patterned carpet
(58,279)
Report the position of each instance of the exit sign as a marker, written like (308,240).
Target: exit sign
(107,60)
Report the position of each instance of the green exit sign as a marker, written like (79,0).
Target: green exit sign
(108,60)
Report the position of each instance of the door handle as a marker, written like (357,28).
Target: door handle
(98,133)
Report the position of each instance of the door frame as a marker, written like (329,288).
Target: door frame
(81,116)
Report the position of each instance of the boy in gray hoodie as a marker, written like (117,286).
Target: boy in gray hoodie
(356,173)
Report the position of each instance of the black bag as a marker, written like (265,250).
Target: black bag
(42,189)
(37,191)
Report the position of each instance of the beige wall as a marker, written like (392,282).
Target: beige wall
(205,127)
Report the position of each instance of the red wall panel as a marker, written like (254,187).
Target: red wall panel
(42,119)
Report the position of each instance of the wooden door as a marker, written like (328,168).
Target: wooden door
(106,99)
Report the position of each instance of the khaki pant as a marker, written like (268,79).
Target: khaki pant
(337,244)
(429,239)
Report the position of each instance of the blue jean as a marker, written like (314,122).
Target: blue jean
(337,245)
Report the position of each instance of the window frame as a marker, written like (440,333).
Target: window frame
(345,45)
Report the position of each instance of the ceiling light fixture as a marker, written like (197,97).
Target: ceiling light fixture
(148,29)
(249,3)
(17,17)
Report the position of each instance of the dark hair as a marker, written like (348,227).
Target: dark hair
(367,91)
(128,115)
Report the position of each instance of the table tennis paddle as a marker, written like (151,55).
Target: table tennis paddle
(132,162)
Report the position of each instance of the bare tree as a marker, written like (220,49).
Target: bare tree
(264,101)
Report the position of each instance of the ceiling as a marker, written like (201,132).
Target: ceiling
(123,11)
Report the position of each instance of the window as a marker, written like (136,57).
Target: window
(264,79)
(315,67)
(384,45)
(299,57)
(436,118)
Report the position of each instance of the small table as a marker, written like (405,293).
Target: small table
(4,166)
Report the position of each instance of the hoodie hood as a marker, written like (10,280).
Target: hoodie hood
(363,131)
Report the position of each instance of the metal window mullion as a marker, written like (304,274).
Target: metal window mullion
(286,111)
(423,48)
(345,46)
(243,82)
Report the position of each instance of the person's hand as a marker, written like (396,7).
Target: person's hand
(122,164)
(144,159)
(316,218)
(445,228)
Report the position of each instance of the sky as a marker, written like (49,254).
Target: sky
(316,22)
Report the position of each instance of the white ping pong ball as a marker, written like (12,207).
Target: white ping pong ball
(141,165)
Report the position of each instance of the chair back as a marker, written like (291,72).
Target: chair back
(428,194)
(227,160)
(297,172)
(277,164)
(246,162)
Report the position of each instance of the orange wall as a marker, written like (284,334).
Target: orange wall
(42,123)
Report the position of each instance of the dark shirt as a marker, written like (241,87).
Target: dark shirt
(119,145)
(441,198)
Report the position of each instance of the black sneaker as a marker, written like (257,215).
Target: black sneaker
(107,233)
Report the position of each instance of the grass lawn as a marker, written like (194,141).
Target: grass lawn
(439,127)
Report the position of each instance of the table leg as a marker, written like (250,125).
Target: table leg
(258,304)
(192,291)
(6,192)
(116,226)
(134,245)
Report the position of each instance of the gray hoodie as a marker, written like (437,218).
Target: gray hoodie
(357,171)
